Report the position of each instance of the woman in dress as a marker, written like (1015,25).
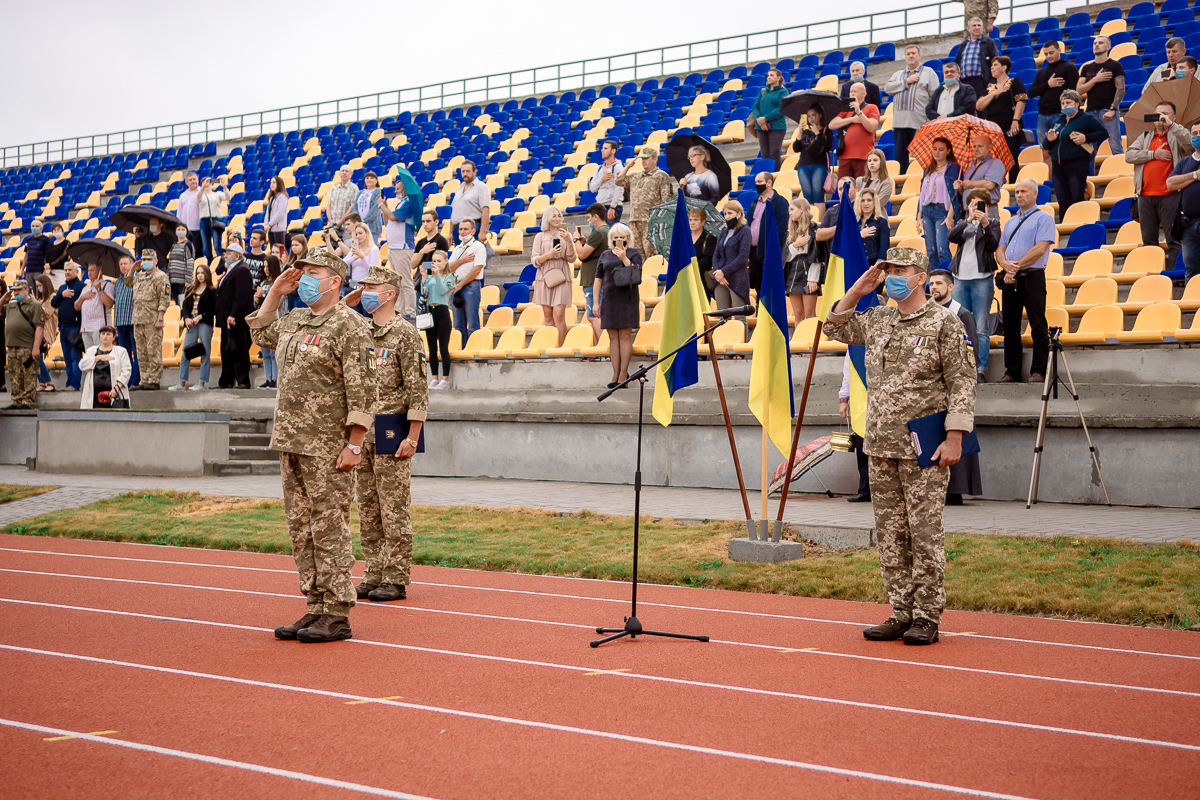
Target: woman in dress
(621,310)
(106,369)
(803,276)
(43,292)
(198,315)
(367,205)
(553,255)
(1004,104)
(701,183)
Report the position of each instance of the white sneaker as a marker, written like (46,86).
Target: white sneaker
(443,384)
(199,387)
(433,383)
(176,387)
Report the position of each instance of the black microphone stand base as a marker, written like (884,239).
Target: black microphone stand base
(633,629)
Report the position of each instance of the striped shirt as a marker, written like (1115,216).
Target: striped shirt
(341,200)
(972,64)
(92,313)
(181,262)
(123,310)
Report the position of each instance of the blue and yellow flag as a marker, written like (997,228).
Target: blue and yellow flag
(771,369)
(684,304)
(847,263)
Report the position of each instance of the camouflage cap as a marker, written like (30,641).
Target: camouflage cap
(149,253)
(19,283)
(905,257)
(649,151)
(324,258)
(381,276)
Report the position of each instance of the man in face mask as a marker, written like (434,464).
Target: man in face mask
(151,297)
(322,413)
(768,202)
(384,474)
(953,99)
(918,362)
(1186,180)
(156,237)
(36,245)
(24,319)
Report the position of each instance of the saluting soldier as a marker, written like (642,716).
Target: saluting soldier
(322,413)
(151,297)
(384,481)
(647,189)
(919,362)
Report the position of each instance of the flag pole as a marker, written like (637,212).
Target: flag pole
(787,481)
(765,477)
(737,466)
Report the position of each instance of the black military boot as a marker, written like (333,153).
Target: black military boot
(889,631)
(923,631)
(329,628)
(388,591)
(363,590)
(288,632)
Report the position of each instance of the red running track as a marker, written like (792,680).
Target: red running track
(166,657)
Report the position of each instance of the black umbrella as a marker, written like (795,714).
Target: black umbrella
(98,251)
(127,217)
(679,166)
(796,103)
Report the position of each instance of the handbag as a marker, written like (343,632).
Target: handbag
(830,183)
(424,321)
(841,142)
(553,278)
(627,276)
(999,279)
(194,350)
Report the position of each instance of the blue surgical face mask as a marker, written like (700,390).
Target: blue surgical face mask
(951,83)
(35,229)
(1181,73)
(370,302)
(1069,111)
(897,287)
(310,289)
(1196,142)
(19,298)
(147,265)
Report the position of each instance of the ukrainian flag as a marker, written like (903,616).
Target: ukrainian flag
(847,263)
(684,304)
(771,369)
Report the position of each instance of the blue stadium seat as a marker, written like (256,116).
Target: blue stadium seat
(1084,238)
(1016,29)
(1051,23)
(517,294)
(1119,214)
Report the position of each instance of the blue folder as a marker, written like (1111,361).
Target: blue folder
(391,430)
(929,432)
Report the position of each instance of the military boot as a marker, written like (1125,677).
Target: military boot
(388,591)
(887,632)
(329,628)
(288,632)
(363,590)
(923,631)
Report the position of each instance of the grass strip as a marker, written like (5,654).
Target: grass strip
(16,491)
(1094,579)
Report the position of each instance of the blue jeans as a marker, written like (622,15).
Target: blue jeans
(43,372)
(1043,124)
(71,356)
(466,321)
(975,296)
(210,238)
(126,340)
(812,182)
(1191,251)
(1113,126)
(937,235)
(270,366)
(203,333)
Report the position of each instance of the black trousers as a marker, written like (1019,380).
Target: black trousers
(864,484)
(197,243)
(1160,212)
(235,357)
(1028,293)
(978,83)
(1070,183)
(277,237)
(903,138)
(438,338)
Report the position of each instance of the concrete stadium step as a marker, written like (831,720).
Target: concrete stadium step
(240,467)
(252,454)
(246,426)
(248,439)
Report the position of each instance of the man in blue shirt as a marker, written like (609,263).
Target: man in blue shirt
(36,244)
(1184,180)
(69,322)
(123,319)
(1023,252)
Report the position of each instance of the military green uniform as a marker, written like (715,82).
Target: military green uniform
(384,481)
(646,190)
(325,386)
(917,364)
(151,297)
(19,334)
(984,9)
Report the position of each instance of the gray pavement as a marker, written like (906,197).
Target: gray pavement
(1148,525)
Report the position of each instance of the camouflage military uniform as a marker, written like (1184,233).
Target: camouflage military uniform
(325,386)
(19,336)
(151,297)
(385,525)
(917,364)
(646,190)
(984,9)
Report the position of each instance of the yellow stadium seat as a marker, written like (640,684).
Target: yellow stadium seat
(912,187)
(1084,212)
(578,338)
(1110,170)
(828,83)
(788,179)
(512,242)
(1098,325)
(168,351)
(1031,155)
(1125,48)
(172,314)
(726,337)
(1192,334)
(1054,267)
(1119,189)
(1153,323)
(531,319)
(1141,262)
(171,331)
(499,320)
(1055,318)
(489,296)
(801,341)
(1114,26)
(1191,295)
(599,349)
(538,204)
(648,290)
(905,230)
(542,340)
(908,209)
(646,340)
(734,131)
(1092,294)
(512,339)
(1129,238)
(1147,291)
(915,242)
(1056,294)
(479,342)
(1092,264)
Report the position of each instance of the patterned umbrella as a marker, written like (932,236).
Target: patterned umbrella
(958,131)
(662,220)
(807,457)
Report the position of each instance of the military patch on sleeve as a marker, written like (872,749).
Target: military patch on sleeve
(371,359)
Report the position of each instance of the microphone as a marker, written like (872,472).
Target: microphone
(731,312)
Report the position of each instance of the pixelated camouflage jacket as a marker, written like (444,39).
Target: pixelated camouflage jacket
(646,190)
(399,372)
(917,364)
(151,294)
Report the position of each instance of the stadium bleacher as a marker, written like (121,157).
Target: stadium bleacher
(540,151)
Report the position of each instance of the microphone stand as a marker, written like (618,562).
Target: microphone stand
(633,627)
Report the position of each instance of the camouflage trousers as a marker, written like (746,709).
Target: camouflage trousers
(316,501)
(640,241)
(384,523)
(984,9)
(22,380)
(148,340)
(908,504)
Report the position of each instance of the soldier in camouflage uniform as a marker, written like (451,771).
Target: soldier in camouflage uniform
(919,362)
(151,297)
(985,10)
(322,413)
(385,526)
(647,189)
(24,321)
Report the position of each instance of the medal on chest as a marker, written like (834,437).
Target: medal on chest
(311,342)
(922,342)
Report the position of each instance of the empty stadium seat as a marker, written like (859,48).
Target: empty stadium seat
(1153,323)
(1098,325)
(1140,262)
(1147,291)
(1191,295)
(578,338)
(1091,264)
(1092,294)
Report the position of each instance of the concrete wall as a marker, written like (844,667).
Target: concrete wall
(18,436)
(130,442)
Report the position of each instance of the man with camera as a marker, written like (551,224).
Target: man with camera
(1022,255)
(919,362)
(1154,155)
(1185,179)
(859,124)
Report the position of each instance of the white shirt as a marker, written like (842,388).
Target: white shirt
(189,211)
(607,192)
(968,265)
(359,267)
(945,105)
(478,255)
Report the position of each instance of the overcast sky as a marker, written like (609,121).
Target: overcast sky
(73,68)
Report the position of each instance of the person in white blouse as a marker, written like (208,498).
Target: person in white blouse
(275,212)
(360,254)
(209,206)
(106,368)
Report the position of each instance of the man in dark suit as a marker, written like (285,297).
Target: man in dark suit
(964,476)
(768,202)
(858,74)
(974,57)
(958,99)
(235,300)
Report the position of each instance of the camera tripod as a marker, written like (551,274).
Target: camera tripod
(1051,386)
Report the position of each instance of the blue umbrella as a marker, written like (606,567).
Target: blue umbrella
(413,190)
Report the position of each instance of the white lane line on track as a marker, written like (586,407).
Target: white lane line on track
(549,726)
(676,606)
(215,760)
(654,678)
(776,647)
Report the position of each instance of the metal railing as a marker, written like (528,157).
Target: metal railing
(937,19)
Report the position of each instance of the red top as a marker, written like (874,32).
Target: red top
(1156,172)
(859,141)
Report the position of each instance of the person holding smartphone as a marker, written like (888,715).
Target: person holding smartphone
(1153,155)
(973,266)
(553,255)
